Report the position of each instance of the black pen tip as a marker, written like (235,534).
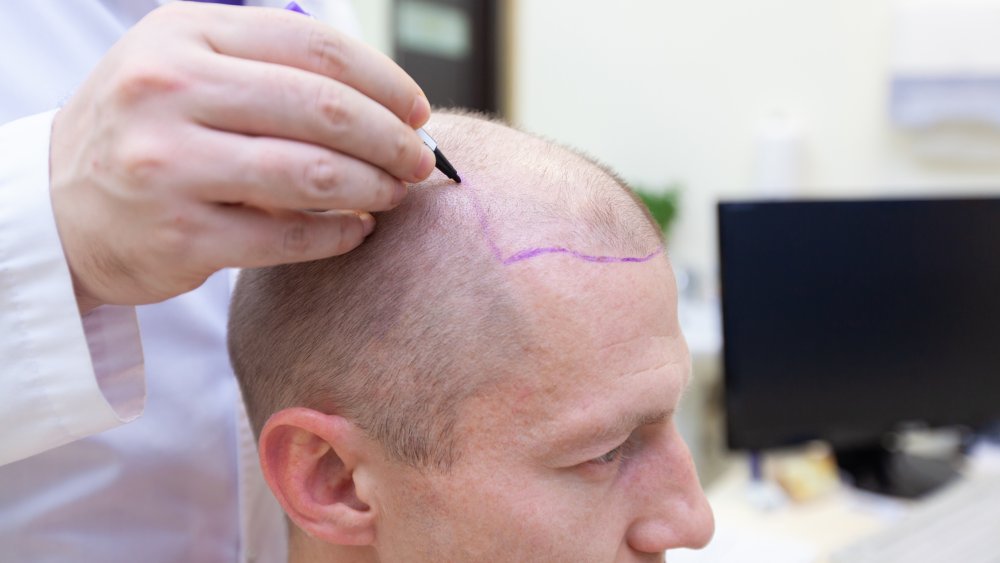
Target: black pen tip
(444,166)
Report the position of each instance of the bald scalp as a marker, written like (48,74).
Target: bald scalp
(396,334)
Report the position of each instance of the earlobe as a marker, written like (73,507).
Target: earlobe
(309,460)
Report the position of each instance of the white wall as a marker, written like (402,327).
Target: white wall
(674,90)
(375,17)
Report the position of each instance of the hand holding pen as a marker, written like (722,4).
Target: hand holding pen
(201,136)
(440,161)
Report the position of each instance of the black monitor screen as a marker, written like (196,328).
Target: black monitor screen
(843,320)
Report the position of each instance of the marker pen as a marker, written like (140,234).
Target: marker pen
(440,162)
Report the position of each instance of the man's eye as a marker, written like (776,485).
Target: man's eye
(610,457)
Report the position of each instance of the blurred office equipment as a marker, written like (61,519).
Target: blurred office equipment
(945,78)
(451,48)
(945,62)
(778,150)
(850,321)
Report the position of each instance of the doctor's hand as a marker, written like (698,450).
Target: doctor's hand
(205,135)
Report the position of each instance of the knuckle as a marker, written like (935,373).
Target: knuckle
(138,82)
(330,105)
(326,51)
(139,161)
(322,180)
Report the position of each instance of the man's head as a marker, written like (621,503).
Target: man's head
(490,377)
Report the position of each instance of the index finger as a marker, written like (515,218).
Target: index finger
(291,39)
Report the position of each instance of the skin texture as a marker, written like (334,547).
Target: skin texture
(170,164)
(566,449)
(517,495)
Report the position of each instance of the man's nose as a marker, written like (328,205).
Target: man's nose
(671,507)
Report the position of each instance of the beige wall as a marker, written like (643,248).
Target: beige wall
(674,90)
(376,22)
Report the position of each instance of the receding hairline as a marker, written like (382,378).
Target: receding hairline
(323,337)
(449,126)
(453,128)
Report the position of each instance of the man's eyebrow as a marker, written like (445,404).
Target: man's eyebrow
(629,422)
(621,427)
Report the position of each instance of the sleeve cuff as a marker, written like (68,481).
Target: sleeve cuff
(62,378)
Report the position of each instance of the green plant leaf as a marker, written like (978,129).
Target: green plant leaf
(662,204)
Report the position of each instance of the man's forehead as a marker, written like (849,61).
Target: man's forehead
(594,306)
(560,409)
(601,345)
(656,364)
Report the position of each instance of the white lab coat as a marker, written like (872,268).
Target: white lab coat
(181,481)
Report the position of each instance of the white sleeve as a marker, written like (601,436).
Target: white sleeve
(61,378)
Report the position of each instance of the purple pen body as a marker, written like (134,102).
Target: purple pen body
(294,6)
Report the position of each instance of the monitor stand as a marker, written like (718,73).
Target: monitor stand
(896,473)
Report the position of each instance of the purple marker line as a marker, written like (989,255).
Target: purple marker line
(530,253)
(484,225)
(536,252)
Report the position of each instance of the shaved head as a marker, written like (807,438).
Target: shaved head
(430,311)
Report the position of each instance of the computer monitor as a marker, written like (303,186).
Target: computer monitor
(847,320)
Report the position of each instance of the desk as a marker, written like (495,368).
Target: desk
(801,533)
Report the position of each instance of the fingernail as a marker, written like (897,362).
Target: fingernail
(367,222)
(398,193)
(420,112)
(426,165)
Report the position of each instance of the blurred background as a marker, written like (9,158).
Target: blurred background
(697,102)
(719,98)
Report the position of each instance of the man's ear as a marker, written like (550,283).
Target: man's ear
(309,459)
